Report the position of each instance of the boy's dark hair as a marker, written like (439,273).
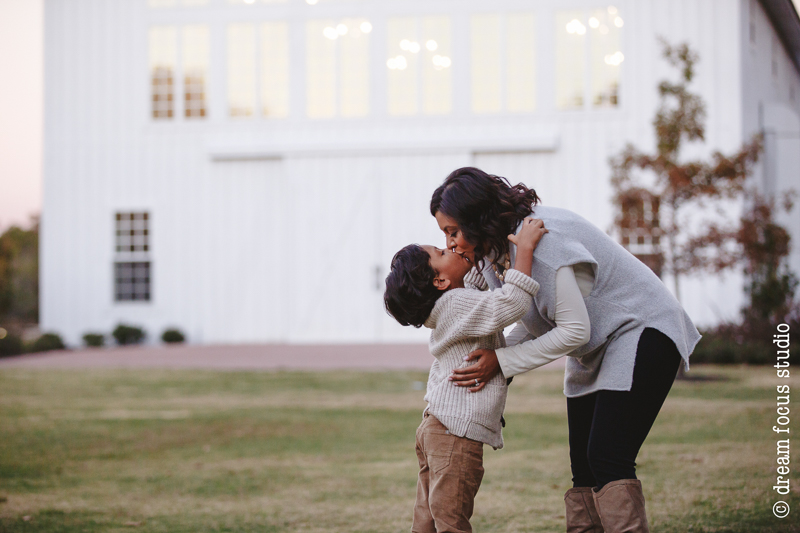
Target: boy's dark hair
(410,294)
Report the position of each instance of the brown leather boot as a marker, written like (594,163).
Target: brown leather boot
(620,505)
(582,517)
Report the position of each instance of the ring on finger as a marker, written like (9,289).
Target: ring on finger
(477,382)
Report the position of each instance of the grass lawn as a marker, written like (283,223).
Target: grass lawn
(196,451)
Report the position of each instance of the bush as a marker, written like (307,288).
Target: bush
(172,336)
(47,342)
(723,347)
(10,345)
(125,334)
(94,339)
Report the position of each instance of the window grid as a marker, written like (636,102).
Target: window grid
(132,232)
(132,281)
(132,268)
(195,67)
(163,58)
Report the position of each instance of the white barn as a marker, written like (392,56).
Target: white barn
(244,170)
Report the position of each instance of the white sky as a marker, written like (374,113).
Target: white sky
(21,110)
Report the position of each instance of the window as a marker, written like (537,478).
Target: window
(641,230)
(163,58)
(132,264)
(274,69)
(419,74)
(243,74)
(337,67)
(195,69)
(503,62)
(595,35)
(132,281)
(241,70)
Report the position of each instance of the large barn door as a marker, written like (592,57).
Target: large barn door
(349,215)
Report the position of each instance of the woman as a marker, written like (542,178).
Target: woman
(624,333)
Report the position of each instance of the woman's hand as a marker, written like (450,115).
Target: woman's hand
(530,233)
(483,370)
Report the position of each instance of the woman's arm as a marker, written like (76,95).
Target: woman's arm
(572,331)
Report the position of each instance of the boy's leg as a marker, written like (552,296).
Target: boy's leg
(423,520)
(455,474)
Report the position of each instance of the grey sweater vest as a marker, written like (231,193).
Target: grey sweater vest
(627,297)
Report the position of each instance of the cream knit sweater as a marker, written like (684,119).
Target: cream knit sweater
(464,320)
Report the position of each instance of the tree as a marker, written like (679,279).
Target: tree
(19,274)
(656,213)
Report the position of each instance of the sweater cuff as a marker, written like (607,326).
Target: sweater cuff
(476,279)
(523,281)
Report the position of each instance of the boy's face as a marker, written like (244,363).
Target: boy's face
(450,267)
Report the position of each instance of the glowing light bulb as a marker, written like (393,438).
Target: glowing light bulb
(330,32)
(405,44)
(312,2)
(612,10)
(618,22)
(413,47)
(366,27)
(594,23)
(431,45)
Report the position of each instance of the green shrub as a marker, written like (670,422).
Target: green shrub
(10,345)
(126,334)
(47,342)
(94,339)
(172,335)
(724,347)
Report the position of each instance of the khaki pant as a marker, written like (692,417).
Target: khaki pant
(450,473)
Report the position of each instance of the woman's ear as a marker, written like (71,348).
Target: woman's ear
(441,284)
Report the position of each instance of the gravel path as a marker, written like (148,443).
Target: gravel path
(239,357)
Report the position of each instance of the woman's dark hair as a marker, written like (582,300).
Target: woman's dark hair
(486,207)
(410,294)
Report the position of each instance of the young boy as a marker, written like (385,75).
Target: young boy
(429,286)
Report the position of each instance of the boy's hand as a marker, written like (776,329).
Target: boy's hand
(530,234)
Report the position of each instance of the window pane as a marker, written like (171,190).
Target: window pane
(195,68)
(132,281)
(521,62)
(241,70)
(353,67)
(570,59)
(401,65)
(486,66)
(163,59)
(438,86)
(275,69)
(321,67)
(605,39)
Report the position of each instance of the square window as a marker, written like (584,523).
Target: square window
(132,281)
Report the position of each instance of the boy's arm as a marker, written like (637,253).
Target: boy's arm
(477,313)
(475,280)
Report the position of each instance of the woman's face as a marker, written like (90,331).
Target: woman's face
(454,238)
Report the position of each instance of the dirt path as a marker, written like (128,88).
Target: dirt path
(238,357)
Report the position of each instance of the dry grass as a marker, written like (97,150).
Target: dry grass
(115,450)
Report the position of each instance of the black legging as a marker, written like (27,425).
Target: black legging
(607,428)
